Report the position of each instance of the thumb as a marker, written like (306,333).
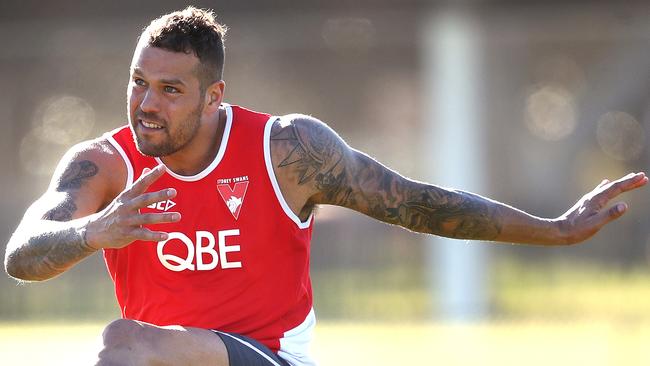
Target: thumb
(612,213)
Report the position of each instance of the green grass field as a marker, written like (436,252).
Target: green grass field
(502,343)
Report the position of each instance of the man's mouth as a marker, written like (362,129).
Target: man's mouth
(150,124)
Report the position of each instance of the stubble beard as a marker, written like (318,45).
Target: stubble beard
(182,136)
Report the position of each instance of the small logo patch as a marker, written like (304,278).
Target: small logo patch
(162,205)
(233,196)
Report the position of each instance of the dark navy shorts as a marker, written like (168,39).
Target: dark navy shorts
(244,351)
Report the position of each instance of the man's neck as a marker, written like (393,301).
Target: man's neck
(201,151)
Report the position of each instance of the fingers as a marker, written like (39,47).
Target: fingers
(636,181)
(631,178)
(624,184)
(144,234)
(611,214)
(153,218)
(151,198)
(148,235)
(146,179)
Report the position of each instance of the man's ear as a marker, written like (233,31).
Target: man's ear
(214,95)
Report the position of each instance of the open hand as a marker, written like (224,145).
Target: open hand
(591,213)
(120,223)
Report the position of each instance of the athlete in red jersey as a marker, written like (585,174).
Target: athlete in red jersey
(204,212)
(237,237)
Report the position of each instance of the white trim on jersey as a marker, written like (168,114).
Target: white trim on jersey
(127,162)
(294,346)
(274,181)
(217,159)
(247,344)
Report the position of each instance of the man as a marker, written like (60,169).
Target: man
(204,211)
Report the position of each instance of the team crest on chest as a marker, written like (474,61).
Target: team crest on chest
(233,191)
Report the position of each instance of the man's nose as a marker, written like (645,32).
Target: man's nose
(150,102)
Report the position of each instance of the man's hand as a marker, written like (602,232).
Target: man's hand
(591,213)
(120,223)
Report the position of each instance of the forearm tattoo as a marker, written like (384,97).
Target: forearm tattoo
(343,177)
(50,252)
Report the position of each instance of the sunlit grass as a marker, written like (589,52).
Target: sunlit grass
(496,343)
(508,343)
(48,344)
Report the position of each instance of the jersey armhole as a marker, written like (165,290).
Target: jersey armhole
(274,182)
(125,158)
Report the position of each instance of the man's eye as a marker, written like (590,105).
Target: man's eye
(170,89)
(139,82)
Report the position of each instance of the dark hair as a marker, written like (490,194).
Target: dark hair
(192,30)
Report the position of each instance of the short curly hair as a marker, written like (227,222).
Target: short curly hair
(191,30)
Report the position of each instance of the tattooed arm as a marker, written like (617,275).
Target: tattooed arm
(50,238)
(314,166)
(85,208)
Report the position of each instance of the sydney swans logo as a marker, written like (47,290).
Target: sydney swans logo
(233,195)
(233,205)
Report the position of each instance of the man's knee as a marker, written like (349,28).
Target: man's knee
(128,342)
(120,331)
(125,343)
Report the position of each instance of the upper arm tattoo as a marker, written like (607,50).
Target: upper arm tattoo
(63,211)
(76,174)
(316,155)
(72,179)
(344,177)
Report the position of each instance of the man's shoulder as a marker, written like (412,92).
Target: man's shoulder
(100,156)
(97,148)
(302,127)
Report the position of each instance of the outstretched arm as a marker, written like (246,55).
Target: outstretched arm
(314,166)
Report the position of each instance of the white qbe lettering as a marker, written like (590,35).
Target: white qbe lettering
(223,248)
(205,243)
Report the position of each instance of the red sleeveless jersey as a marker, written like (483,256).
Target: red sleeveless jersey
(238,261)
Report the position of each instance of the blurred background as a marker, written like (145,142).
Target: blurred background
(531,103)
